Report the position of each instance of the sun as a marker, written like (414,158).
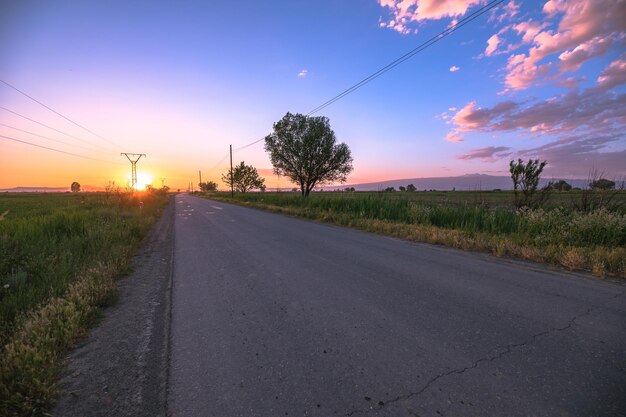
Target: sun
(143,179)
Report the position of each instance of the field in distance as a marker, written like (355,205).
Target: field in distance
(579,230)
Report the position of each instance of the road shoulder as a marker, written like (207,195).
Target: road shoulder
(121,368)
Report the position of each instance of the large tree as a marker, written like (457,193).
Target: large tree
(304,149)
(75,187)
(244,178)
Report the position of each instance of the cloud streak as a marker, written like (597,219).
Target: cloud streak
(488,154)
(594,110)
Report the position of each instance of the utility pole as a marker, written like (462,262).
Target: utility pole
(200,175)
(133,158)
(232,184)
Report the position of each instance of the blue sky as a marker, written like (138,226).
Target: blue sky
(180,81)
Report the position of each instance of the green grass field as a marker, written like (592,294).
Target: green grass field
(558,233)
(60,255)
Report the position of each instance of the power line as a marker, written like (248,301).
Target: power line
(248,145)
(57,150)
(57,113)
(462,22)
(47,137)
(50,127)
(410,54)
(220,161)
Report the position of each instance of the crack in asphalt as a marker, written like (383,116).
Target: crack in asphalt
(505,350)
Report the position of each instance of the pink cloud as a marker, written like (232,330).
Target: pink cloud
(405,12)
(438,9)
(585,30)
(614,74)
(597,110)
(579,155)
(454,68)
(503,13)
(454,137)
(529,30)
(492,44)
(509,10)
(572,158)
(571,82)
(594,111)
(572,60)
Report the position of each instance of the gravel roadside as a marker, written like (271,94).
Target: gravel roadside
(121,368)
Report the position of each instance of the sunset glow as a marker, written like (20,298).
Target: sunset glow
(143,180)
(525,80)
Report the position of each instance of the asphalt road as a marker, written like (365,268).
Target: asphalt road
(276,316)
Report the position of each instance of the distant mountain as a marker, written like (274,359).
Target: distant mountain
(35,190)
(469,182)
(48,189)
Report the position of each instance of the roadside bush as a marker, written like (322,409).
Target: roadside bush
(600,227)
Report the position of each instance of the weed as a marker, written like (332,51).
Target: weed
(60,255)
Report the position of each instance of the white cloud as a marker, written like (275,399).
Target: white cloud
(454,68)
(303,73)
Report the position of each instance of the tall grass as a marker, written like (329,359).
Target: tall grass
(59,257)
(591,240)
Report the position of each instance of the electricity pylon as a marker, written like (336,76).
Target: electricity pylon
(133,163)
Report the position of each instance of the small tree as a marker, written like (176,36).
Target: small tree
(390,190)
(402,188)
(411,188)
(207,186)
(602,184)
(525,178)
(562,185)
(304,149)
(601,193)
(244,178)
(75,187)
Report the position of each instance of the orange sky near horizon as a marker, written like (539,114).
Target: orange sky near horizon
(181,83)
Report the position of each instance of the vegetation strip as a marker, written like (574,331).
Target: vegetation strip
(593,241)
(60,257)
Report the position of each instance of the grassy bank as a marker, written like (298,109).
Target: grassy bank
(60,256)
(558,234)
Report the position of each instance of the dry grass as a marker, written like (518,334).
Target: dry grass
(30,359)
(551,248)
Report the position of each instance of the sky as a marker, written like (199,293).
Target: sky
(181,81)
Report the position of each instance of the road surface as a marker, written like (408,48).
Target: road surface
(276,316)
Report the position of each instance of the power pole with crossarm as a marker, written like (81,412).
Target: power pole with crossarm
(133,158)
